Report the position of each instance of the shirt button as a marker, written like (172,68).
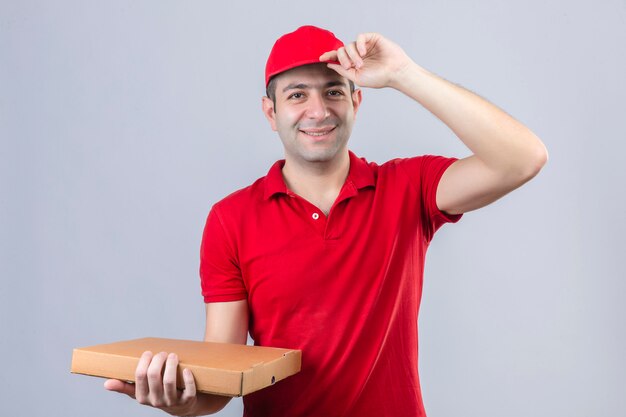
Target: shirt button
(315,216)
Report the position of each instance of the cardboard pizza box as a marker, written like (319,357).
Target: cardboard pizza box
(218,368)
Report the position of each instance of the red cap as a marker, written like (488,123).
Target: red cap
(301,47)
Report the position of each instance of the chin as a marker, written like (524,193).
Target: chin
(320,156)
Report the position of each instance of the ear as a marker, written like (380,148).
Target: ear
(356,100)
(268,111)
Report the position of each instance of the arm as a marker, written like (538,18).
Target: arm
(156,374)
(506,154)
(225,323)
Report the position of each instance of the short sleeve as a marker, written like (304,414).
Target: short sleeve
(220,275)
(425,172)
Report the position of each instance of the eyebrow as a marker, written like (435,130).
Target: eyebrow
(303,86)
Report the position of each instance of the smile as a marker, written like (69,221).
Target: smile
(318,132)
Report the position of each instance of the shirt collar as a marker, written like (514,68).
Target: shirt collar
(360,175)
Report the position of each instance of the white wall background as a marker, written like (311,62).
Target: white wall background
(122,122)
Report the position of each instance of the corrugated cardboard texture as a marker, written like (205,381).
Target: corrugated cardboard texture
(218,368)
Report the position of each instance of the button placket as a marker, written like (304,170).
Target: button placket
(311,214)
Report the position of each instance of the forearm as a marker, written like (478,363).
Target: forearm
(498,140)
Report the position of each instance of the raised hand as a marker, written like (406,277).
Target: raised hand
(370,61)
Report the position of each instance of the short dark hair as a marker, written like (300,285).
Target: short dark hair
(270,90)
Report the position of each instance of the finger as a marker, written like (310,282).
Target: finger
(344,59)
(169,380)
(190,386)
(348,73)
(329,56)
(155,381)
(141,377)
(362,40)
(353,54)
(120,386)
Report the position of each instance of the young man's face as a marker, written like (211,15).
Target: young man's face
(314,113)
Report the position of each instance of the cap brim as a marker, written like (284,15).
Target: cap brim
(299,64)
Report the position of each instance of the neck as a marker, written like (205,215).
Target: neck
(318,182)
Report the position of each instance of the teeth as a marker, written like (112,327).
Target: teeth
(316,133)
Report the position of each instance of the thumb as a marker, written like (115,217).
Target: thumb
(120,386)
(348,73)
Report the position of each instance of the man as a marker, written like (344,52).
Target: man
(326,252)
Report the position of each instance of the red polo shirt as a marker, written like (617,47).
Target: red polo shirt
(345,288)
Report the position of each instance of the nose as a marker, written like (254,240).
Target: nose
(317,106)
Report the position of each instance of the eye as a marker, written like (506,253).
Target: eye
(295,95)
(335,93)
